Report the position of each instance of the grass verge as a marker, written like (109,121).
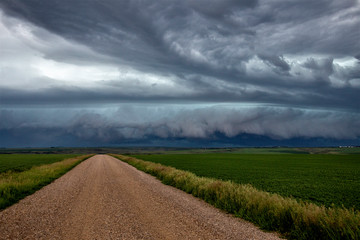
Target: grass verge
(23,162)
(292,218)
(14,186)
(323,179)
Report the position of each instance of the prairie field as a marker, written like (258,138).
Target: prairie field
(293,218)
(323,179)
(22,175)
(22,162)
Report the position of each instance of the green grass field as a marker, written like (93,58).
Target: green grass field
(22,162)
(22,175)
(270,211)
(324,179)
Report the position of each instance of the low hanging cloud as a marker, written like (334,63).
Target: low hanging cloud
(114,125)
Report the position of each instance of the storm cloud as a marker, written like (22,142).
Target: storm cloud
(288,69)
(118,125)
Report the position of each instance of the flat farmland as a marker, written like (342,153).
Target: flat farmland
(23,174)
(23,162)
(324,179)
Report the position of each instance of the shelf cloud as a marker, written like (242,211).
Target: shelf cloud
(287,69)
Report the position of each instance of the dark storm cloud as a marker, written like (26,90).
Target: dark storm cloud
(323,27)
(212,40)
(146,122)
(156,33)
(326,97)
(277,62)
(288,54)
(219,9)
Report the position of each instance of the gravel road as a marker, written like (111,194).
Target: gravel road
(104,198)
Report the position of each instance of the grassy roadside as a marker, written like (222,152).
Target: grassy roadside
(323,179)
(23,162)
(14,186)
(294,219)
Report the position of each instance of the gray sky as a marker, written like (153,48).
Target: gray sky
(109,72)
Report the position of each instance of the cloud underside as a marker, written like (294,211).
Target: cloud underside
(271,52)
(116,125)
(298,62)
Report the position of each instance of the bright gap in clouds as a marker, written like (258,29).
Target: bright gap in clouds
(24,61)
(75,75)
(28,61)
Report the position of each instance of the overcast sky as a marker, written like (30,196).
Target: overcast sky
(182,73)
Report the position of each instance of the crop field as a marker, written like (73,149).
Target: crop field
(22,174)
(22,162)
(324,179)
(270,211)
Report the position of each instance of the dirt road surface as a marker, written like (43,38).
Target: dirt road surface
(104,198)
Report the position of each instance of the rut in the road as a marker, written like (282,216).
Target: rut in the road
(104,198)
